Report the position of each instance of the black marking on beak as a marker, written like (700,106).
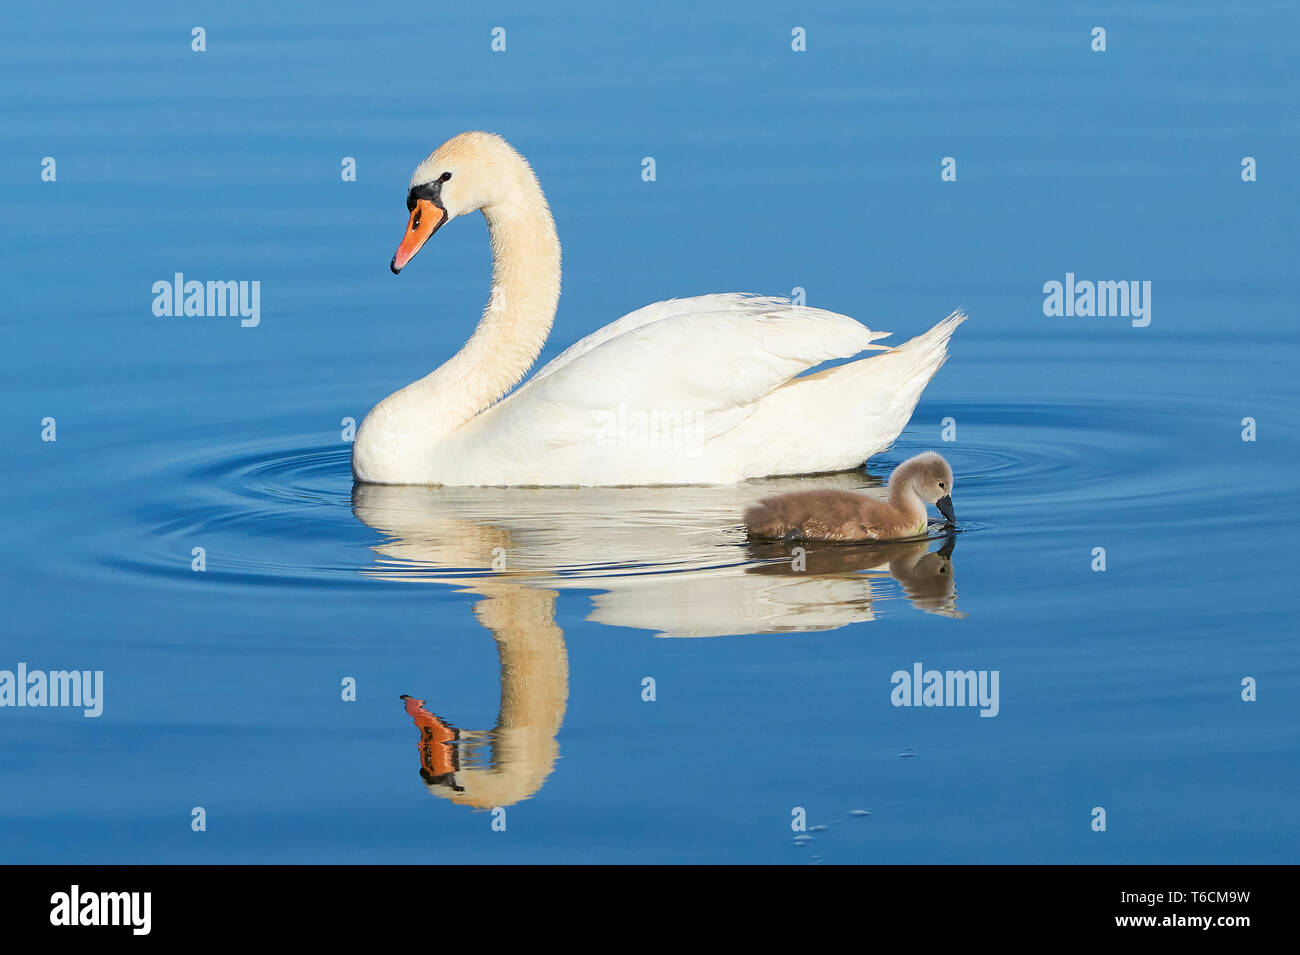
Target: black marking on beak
(427,190)
(944,504)
(444,779)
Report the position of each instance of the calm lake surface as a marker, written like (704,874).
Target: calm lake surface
(775,170)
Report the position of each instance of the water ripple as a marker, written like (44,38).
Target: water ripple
(287,512)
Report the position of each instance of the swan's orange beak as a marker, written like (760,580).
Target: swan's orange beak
(424,222)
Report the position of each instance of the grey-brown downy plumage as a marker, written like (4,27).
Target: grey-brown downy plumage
(846,516)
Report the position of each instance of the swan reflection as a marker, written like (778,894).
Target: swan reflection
(500,766)
(671,560)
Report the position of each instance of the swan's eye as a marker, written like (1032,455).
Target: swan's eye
(415,224)
(444,177)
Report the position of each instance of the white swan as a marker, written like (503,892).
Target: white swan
(689,391)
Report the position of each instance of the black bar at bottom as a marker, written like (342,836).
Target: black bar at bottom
(331,904)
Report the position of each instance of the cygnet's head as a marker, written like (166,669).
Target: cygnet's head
(930,478)
(468,172)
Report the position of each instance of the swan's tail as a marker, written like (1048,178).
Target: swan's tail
(930,349)
(897,378)
(875,397)
(834,420)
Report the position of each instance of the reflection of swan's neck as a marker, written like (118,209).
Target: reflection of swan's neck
(534,693)
(534,662)
(514,326)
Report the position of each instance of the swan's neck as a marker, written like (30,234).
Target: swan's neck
(904,497)
(516,319)
(408,425)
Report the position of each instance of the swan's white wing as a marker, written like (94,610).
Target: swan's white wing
(713,352)
(738,304)
(665,378)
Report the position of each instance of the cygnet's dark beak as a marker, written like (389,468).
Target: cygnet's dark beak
(944,504)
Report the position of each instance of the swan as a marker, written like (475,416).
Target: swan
(845,516)
(703,390)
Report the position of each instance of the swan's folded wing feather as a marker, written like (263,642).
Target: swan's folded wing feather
(710,365)
(734,304)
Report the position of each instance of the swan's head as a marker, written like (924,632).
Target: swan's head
(930,477)
(470,172)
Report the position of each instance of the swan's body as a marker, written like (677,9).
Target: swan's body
(689,391)
(842,516)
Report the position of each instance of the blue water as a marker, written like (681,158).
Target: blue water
(1119,689)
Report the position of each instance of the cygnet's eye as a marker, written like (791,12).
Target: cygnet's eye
(444,177)
(941,484)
